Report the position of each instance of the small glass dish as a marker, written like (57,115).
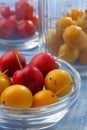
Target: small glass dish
(46,116)
(19,24)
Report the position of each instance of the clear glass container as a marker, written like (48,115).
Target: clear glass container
(65,31)
(19,24)
(45,116)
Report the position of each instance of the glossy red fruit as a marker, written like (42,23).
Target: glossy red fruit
(12,12)
(31,77)
(5,11)
(7,27)
(25,29)
(1,17)
(23,10)
(13,20)
(45,62)
(9,62)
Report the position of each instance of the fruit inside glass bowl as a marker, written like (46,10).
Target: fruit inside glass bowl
(44,116)
(19,23)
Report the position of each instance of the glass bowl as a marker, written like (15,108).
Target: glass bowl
(46,116)
(19,24)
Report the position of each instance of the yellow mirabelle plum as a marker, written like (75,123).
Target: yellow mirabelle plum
(82,22)
(75,37)
(75,13)
(59,81)
(17,96)
(5,82)
(61,24)
(44,98)
(52,42)
(70,54)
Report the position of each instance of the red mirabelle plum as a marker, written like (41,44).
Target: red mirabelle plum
(25,29)
(23,10)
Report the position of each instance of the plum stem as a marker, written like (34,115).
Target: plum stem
(60,55)
(63,88)
(18,59)
(4,72)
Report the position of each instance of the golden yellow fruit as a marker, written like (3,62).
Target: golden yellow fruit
(69,54)
(4,82)
(83,56)
(52,43)
(58,81)
(64,22)
(61,24)
(82,22)
(17,96)
(43,98)
(75,37)
(75,13)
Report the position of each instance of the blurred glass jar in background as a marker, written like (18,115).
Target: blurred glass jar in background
(65,30)
(19,24)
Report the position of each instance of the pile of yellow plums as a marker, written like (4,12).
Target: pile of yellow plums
(69,38)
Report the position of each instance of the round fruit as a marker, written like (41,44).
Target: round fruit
(82,22)
(75,37)
(53,42)
(30,77)
(5,11)
(25,29)
(10,61)
(45,62)
(4,82)
(43,98)
(59,81)
(23,10)
(64,22)
(17,96)
(75,14)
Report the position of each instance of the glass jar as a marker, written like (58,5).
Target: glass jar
(19,24)
(65,31)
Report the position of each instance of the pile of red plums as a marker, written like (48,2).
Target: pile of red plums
(22,22)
